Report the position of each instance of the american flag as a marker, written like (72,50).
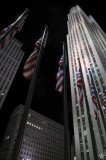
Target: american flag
(59,77)
(16,28)
(80,89)
(94,102)
(104,98)
(31,61)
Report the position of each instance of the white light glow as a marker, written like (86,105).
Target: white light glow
(29,115)
(33,125)
(7,137)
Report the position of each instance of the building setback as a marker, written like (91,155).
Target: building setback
(10,58)
(86,41)
(43,138)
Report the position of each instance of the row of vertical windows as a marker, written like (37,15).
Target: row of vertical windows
(99,39)
(39,127)
(93,72)
(96,66)
(40,151)
(74,57)
(77,108)
(44,138)
(83,118)
(46,124)
(101,56)
(91,52)
(99,75)
(87,76)
(100,43)
(37,145)
(80,139)
(80,47)
(5,61)
(85,46)
(98,33)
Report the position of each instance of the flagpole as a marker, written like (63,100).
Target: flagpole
(89,117)
(66,127)
(25,13)
(29,98)
(98,100)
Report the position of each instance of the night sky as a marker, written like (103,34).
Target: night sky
(54,14)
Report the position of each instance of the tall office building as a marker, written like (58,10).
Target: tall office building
(43,138)
(87,50)
(10,59)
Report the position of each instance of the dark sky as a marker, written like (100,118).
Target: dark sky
(54,14)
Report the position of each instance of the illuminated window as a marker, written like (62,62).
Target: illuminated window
(29,115)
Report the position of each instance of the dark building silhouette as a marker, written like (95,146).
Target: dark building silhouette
(43,137)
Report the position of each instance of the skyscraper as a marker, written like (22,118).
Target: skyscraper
(87,52)
(43,138)
(10,59)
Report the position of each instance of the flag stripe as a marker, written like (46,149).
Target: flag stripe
(59,83)
(61,61)
(28,73)
(15,29)
(59,76)
(80,90)
(104,98)
(94,102)
(30,63)
(30,67)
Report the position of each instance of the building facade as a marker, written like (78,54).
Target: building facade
(87,52)
(10,59)
(43,138)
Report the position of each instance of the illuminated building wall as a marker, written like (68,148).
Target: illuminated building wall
(43,137)
(86,41)
(10,59)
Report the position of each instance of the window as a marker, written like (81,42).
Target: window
(82,155)
(98,71)
(101,80)
(87,154)
(77,110)
(81,147)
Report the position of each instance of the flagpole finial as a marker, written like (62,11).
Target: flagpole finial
(63,43)
(27,9)
(46,26)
